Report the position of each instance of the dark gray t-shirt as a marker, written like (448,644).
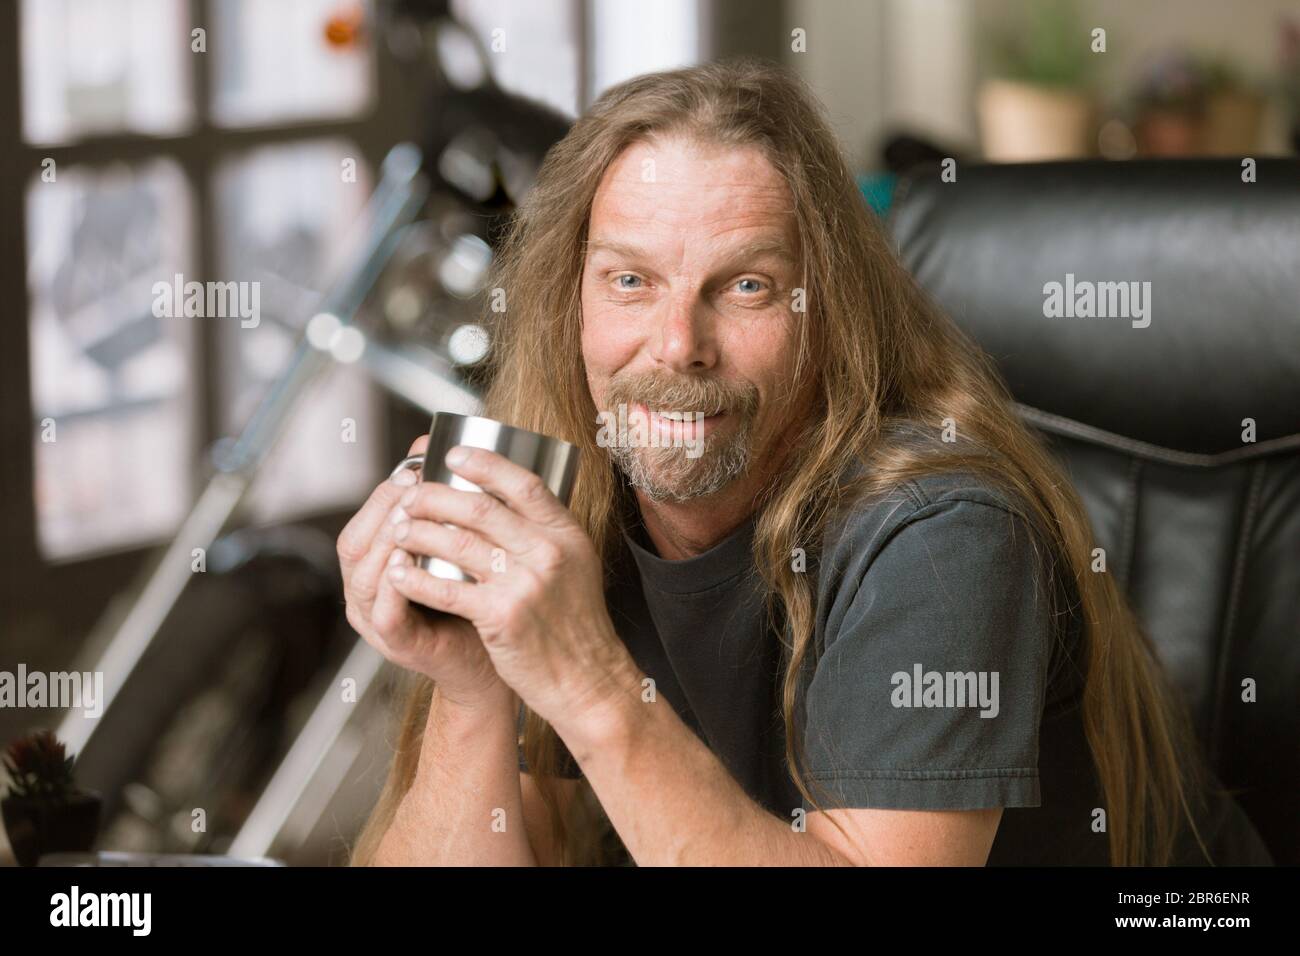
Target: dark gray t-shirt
(939,679)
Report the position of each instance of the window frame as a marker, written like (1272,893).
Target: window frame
(32,584)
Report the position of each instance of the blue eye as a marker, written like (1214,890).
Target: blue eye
(754,285)
(625,285)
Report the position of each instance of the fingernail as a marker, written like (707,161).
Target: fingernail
(407,498)
(404,477)
(397,573)
(457,456)
(397,557)
(398,516)
(402,530)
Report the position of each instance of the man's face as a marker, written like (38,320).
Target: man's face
(691,260)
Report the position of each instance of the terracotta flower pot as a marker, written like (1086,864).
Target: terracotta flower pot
(1227,125)
(1232,124)
(1022,122)
(37,827)
(1168,133)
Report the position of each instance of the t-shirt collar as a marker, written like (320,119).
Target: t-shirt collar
(727,559)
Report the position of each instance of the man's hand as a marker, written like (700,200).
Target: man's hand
(537,601)
(446,649)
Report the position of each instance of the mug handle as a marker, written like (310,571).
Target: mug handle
(413,462)
(416,463)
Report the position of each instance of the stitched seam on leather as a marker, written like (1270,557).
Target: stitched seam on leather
(1128,540)
(1234,602)
(902,192)
(1061,425)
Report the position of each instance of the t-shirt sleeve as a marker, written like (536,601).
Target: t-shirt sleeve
(568,767)
(929,692)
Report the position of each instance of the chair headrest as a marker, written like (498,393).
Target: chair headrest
(1157,300)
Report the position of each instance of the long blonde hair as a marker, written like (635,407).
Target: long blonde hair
(882,355)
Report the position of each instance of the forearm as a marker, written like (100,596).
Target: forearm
(465,807)
(674,804)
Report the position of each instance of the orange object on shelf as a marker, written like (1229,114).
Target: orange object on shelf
(345,26)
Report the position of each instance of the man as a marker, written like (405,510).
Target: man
(830,615)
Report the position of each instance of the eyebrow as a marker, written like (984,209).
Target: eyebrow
(751,250)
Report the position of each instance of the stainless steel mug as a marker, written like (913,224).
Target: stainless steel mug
(553,460)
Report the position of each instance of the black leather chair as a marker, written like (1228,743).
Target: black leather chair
(1201,527)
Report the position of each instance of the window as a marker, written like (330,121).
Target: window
(95,67)
(137,181)
(285,213)
(532,47)
(630,39)
(271,64)
(110,382)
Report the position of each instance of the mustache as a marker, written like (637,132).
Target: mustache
(682,394)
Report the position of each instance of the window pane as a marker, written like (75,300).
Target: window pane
(286,219)
(630,39)
(96,67)
(532,47)
(273,63)
(110,379)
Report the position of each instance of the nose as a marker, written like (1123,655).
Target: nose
(686,340)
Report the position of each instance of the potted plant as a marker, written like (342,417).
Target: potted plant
(1290,78)
(1037,105)
(1193,105)
(1169,103)
(1234,111)
(45,811)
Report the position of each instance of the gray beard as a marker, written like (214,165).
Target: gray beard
(668,474)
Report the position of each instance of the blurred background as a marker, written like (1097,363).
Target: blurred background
(171,486)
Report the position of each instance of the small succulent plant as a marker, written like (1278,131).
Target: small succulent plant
(39,768)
